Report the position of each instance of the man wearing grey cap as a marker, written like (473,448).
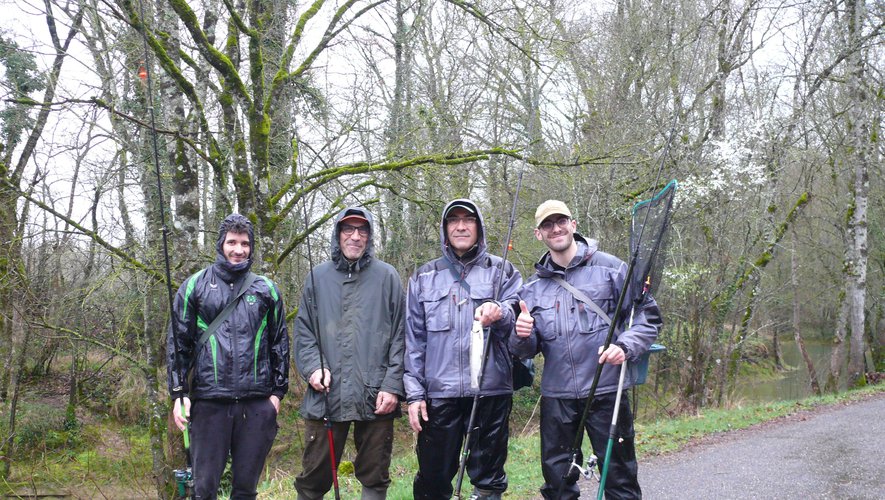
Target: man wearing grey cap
(570,329)
(450,302)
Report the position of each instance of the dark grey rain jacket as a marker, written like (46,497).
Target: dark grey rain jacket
(440,317)
(358,308)
(248,355)
(569,333)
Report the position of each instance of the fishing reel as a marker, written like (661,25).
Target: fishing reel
(590,471)
(184,480)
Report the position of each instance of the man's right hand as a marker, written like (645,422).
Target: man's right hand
(181,420)
(417,413)
(321,381)
(524,322)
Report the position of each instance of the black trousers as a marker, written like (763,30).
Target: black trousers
(245,430)
(559,426)
(373,441)
(439,445)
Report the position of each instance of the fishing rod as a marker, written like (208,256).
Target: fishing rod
(184,478)
(315,326)
(628,286)
(465,450)
(662,200)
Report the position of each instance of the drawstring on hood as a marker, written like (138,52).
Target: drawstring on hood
(239,224)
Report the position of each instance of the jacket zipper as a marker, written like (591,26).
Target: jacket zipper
(233,346)
(564,322)
(457,312)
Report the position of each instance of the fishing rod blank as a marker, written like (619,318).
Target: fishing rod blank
(465,450)
(315,326)
(184,478)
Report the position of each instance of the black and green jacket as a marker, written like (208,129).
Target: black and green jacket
(247,356)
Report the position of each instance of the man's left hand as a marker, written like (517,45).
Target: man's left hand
(614,355)
(488,313)
(385,403)
(275,401)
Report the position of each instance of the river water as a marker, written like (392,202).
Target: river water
(792,383)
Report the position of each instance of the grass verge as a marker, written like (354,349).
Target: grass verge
(116,459)
(652,438)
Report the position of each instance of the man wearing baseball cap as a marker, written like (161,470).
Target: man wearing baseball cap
(569,329)
(450,302)
(357,303)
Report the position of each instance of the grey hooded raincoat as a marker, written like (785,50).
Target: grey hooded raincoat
(443,295)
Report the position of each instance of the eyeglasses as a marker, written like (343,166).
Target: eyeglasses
(547,225)
(347,230)
(458,220)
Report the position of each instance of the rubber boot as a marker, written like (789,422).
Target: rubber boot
(480,494)
(373,494)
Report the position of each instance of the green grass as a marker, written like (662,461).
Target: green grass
(118,457)
(652,438)
(666,436)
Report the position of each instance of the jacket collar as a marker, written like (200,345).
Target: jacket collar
(546,268)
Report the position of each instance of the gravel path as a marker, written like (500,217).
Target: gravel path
(836,452)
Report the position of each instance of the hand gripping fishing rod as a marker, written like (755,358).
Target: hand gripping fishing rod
(665,197)
(465,450)
(315,326)
(184,478)
(634,251)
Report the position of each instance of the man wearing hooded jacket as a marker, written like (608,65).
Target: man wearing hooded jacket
(571,336)
(239,374)
(445,297)
(357,304)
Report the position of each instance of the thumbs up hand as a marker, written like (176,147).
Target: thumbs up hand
(524,322)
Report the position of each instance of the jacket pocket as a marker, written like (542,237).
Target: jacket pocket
(481,292)
(545,310)
(588,320)
(207,372)
(437,310)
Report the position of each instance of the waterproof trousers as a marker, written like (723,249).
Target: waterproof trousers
(559,426)
(243,430)
(441,437)
(373,441)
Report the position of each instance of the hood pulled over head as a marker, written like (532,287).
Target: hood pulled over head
(238,224)
(470,207)
(357,214)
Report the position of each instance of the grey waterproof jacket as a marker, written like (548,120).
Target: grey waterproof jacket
(358,308)
(569,333)
(440,318)
(248,355)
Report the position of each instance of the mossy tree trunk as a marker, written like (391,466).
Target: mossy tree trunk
(858,155)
